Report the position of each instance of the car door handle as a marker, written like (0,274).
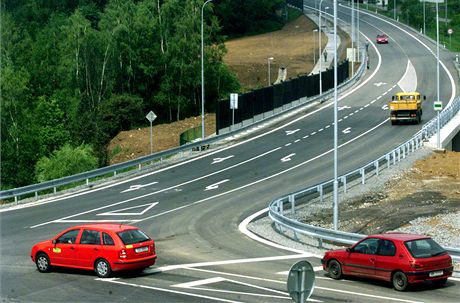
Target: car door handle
(95,249)
(372,259)
(72,248)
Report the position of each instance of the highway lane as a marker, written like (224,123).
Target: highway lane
(192,224)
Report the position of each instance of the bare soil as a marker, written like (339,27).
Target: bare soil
(429,188)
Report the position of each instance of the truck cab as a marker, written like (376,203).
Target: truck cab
(406,106)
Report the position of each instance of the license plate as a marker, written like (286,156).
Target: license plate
(436,273)
(141,249)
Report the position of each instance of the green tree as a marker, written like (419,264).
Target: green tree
(66,161)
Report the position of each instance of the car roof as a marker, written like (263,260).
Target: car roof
(116,227)
(399,236)
(407,93)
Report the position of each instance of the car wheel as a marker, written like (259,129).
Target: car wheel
(440,282)
(43,263)
(335,269)
(400,281)
(102,268)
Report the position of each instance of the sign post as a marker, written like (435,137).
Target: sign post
(233,106)
(151,117)
(437,106)
(301,281)
(450,32)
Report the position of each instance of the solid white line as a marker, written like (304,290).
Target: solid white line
(365,295)
(235,261)
(199,282)
(162,190)
(168,290)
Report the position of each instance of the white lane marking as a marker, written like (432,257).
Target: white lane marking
(137,186)
(305,137)
(379,97)
(167,290)
(385,107)
(228,262)
(365,295)
(321,129)
(286,272)
(378,84)
(121,213)
(159,191)
(287,144)
(343,107)
(347,130)
(266,178)
(367,105)
(327,126)
(296,141)
(313,133)
(290,132)
(53,199)
(218,160)
(408,82)
(215,185)
(287,158)
(193,284)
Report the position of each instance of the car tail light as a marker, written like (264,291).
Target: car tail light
(416,265)
(122,254)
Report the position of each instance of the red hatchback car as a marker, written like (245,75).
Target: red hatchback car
(100,247)
(382,39)
(400,258)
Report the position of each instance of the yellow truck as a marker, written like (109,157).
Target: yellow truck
(406,106)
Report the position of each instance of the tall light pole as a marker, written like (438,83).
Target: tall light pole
(438,141)
(336,185)
(353,37)
(269,60)
(394,9)
(202,71)
(319,47)
(424,18)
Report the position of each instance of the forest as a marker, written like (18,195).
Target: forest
(74,73)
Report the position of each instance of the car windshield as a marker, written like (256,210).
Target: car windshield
(424,248)
(132,236)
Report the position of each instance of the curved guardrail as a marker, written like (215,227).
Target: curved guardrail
(279,215)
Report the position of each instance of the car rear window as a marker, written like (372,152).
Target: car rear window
(424,248)
(132,236)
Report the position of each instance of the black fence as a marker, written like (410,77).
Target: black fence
(269,98)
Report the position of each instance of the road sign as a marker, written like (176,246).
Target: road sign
(151,116)
(233,101)
(301,281)
(450,31)
(437,105)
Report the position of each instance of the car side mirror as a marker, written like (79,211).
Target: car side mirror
(54,241)
(392,98)
(424,97)
(349,249)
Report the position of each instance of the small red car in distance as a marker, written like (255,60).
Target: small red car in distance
(382,39)
(103,248)
(399,258)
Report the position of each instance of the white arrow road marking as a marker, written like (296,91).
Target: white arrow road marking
(290,132)
(218,160)
(287,158)
(137,186)
(216,185)
(378,84)
(120,212)
(343,107)
(347,130)
(385,107)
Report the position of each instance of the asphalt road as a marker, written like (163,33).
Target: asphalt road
(193,208)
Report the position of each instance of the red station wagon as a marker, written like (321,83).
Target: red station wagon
(400,258)
(100,247)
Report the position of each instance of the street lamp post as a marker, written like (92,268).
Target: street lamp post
(394,9)
(353,37)
(335,184)
(424,18)
(202,71)
(269,79)
(438,141)
(319,47)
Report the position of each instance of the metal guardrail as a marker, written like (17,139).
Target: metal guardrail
(277,211)
(160,156)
